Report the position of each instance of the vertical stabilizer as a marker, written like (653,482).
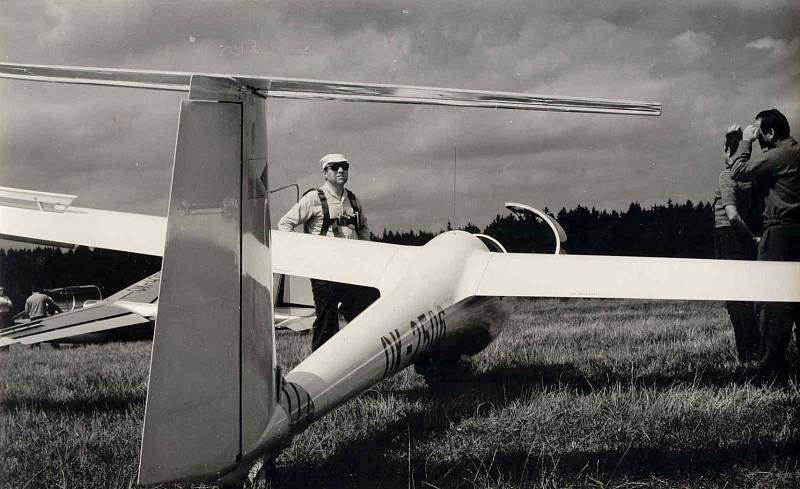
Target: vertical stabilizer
(212,366)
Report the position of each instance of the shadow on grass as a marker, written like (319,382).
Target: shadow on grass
(380,459)
(543,376)
(73,406)
(381,462)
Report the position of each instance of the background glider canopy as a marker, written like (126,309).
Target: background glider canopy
(329,90)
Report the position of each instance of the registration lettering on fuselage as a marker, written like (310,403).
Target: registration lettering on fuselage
(404,347)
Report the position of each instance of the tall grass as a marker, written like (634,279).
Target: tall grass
(71,417)
(574,393)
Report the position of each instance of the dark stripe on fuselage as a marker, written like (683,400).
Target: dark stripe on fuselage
(296,401)
(288,407)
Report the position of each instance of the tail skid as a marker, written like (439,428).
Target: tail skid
(212,374)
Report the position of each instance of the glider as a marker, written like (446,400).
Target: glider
(217,401)
(36,219)
(134,308)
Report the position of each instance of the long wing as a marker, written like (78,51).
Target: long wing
(133,306)
(145,234)
(293,254)
(505,274)
(296,88)
(366,263)
(537,275)
(135,233)
(516,274)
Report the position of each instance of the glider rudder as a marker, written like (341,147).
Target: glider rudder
(211,388)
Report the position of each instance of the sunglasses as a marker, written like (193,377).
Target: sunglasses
(335,166)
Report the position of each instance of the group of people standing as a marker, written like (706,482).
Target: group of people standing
(757,216)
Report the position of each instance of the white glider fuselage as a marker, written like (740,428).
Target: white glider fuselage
(423,313)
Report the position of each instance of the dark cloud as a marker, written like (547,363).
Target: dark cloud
(710,62)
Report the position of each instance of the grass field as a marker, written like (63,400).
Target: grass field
(575,393)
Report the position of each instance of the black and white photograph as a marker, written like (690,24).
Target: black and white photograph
(399,244)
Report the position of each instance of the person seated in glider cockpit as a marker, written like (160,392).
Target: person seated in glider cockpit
(39,305)
(332,210)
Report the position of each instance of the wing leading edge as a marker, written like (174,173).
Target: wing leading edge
(135,233)
(527,275)
(296,88)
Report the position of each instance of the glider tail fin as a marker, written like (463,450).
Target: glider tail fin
(212,374)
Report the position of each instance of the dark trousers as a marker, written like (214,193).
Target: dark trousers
(331,298)
(730,246)
(780,242)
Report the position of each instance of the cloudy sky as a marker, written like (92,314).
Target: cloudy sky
(709,62)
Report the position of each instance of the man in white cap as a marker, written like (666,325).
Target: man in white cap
(334,211)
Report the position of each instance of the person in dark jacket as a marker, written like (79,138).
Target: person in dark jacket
(776,169)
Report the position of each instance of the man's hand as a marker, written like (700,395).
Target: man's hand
(750,133)
(735,127)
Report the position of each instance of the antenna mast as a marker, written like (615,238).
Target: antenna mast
(455,159)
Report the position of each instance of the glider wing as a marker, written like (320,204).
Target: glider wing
(529,275)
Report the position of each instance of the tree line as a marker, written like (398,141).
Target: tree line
(45,268)
(668,230)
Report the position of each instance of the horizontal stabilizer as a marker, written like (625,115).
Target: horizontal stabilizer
(297,324)
(296,88)
(144,291)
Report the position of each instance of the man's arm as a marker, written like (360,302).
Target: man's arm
(738,225)
(727,193)
(363,231)
(291,219)
(297,215)
(53,306)
(748,168)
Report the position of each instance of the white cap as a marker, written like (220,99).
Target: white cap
(331,158)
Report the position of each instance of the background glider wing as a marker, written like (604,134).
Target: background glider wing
(359,263)
(135,233)
(633,277)
(135,305)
